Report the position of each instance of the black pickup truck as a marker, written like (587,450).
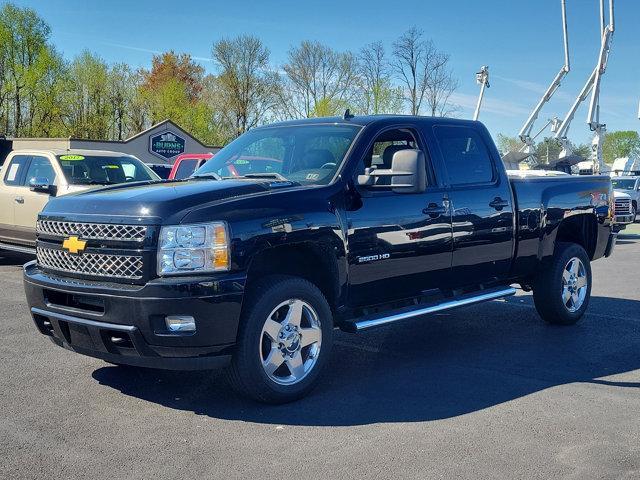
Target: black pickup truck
(298,228)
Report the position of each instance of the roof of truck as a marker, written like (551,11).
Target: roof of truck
(71,151)
(364,120)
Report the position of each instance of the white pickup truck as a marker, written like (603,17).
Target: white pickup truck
(627,194)
(30,177)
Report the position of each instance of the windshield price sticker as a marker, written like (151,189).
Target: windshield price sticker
(71,157)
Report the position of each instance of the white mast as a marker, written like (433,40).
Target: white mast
(525,131)
(482,79)
(592,85)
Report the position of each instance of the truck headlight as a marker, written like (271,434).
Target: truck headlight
(201,247)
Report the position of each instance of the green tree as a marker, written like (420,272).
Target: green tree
(174,89)
(247,87)
(123,88)
(47,110)
(620,144)
(377,94)
(583,150)
(24,46)
(88,97)
(507,143)
(548,150)
(319,79)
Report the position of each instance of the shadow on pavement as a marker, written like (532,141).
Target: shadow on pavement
(450,365)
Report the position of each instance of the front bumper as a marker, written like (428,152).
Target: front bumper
(623,219)
(125,324)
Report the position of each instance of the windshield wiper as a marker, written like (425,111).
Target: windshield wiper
(94,182)
(210,175)
(273,175)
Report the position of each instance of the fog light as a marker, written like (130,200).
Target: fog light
(178,323)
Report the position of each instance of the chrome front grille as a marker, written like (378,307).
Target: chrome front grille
(623,206)
(94,264)
(93,231)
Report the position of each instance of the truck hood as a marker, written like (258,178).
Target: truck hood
(158,202)
(620,194)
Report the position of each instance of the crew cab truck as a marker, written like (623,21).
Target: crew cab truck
(361,222)
(29,178)
(626,190)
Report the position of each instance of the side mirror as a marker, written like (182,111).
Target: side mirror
(408,173)
(42,185)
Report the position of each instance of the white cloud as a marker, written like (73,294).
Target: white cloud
(154,52)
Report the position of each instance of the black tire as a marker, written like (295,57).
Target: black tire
(246,372)
(548,287)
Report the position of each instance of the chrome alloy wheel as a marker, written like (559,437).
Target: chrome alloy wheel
(290,342)
(574,284)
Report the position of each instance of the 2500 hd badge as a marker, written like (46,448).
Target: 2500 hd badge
(372,258)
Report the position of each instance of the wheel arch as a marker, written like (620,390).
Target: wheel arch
(316,262)
(581,229)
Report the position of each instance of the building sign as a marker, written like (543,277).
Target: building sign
(166,145)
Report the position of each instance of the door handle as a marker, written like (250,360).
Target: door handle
(498,203)
(434,210)
(19,200)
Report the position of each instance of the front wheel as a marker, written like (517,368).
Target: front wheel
(284,340)
(562,291)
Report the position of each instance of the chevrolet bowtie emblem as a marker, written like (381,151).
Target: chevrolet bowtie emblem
(74,244)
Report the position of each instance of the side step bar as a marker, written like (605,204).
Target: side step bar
(379,319)
(17,248)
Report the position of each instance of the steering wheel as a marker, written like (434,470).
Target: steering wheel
(328,165)
(129,179)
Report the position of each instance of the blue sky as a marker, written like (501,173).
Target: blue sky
(521,41)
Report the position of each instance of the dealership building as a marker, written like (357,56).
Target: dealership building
(160,144)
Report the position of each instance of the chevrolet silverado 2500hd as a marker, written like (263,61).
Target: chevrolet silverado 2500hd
(357,222)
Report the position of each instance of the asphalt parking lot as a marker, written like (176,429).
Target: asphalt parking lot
(485,392)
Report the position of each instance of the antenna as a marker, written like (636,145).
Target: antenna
(525,131)
(482,79)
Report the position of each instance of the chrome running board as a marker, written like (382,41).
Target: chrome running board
(380,319)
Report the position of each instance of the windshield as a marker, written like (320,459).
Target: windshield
(308,154)
(103,170)
(624,183)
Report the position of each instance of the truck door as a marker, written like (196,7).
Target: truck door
(32,203)
(482,210)
(14,171)
(399,244)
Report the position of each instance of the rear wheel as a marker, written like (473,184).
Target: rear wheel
(284,339)
(562,291)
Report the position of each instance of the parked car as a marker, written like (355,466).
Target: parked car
(187,163)
(630,186)
(31,177)
(163,170)
(368,221)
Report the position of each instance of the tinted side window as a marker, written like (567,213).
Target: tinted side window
(39,168)
(15,170)
(186,168)
(385,145)
(465,155)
